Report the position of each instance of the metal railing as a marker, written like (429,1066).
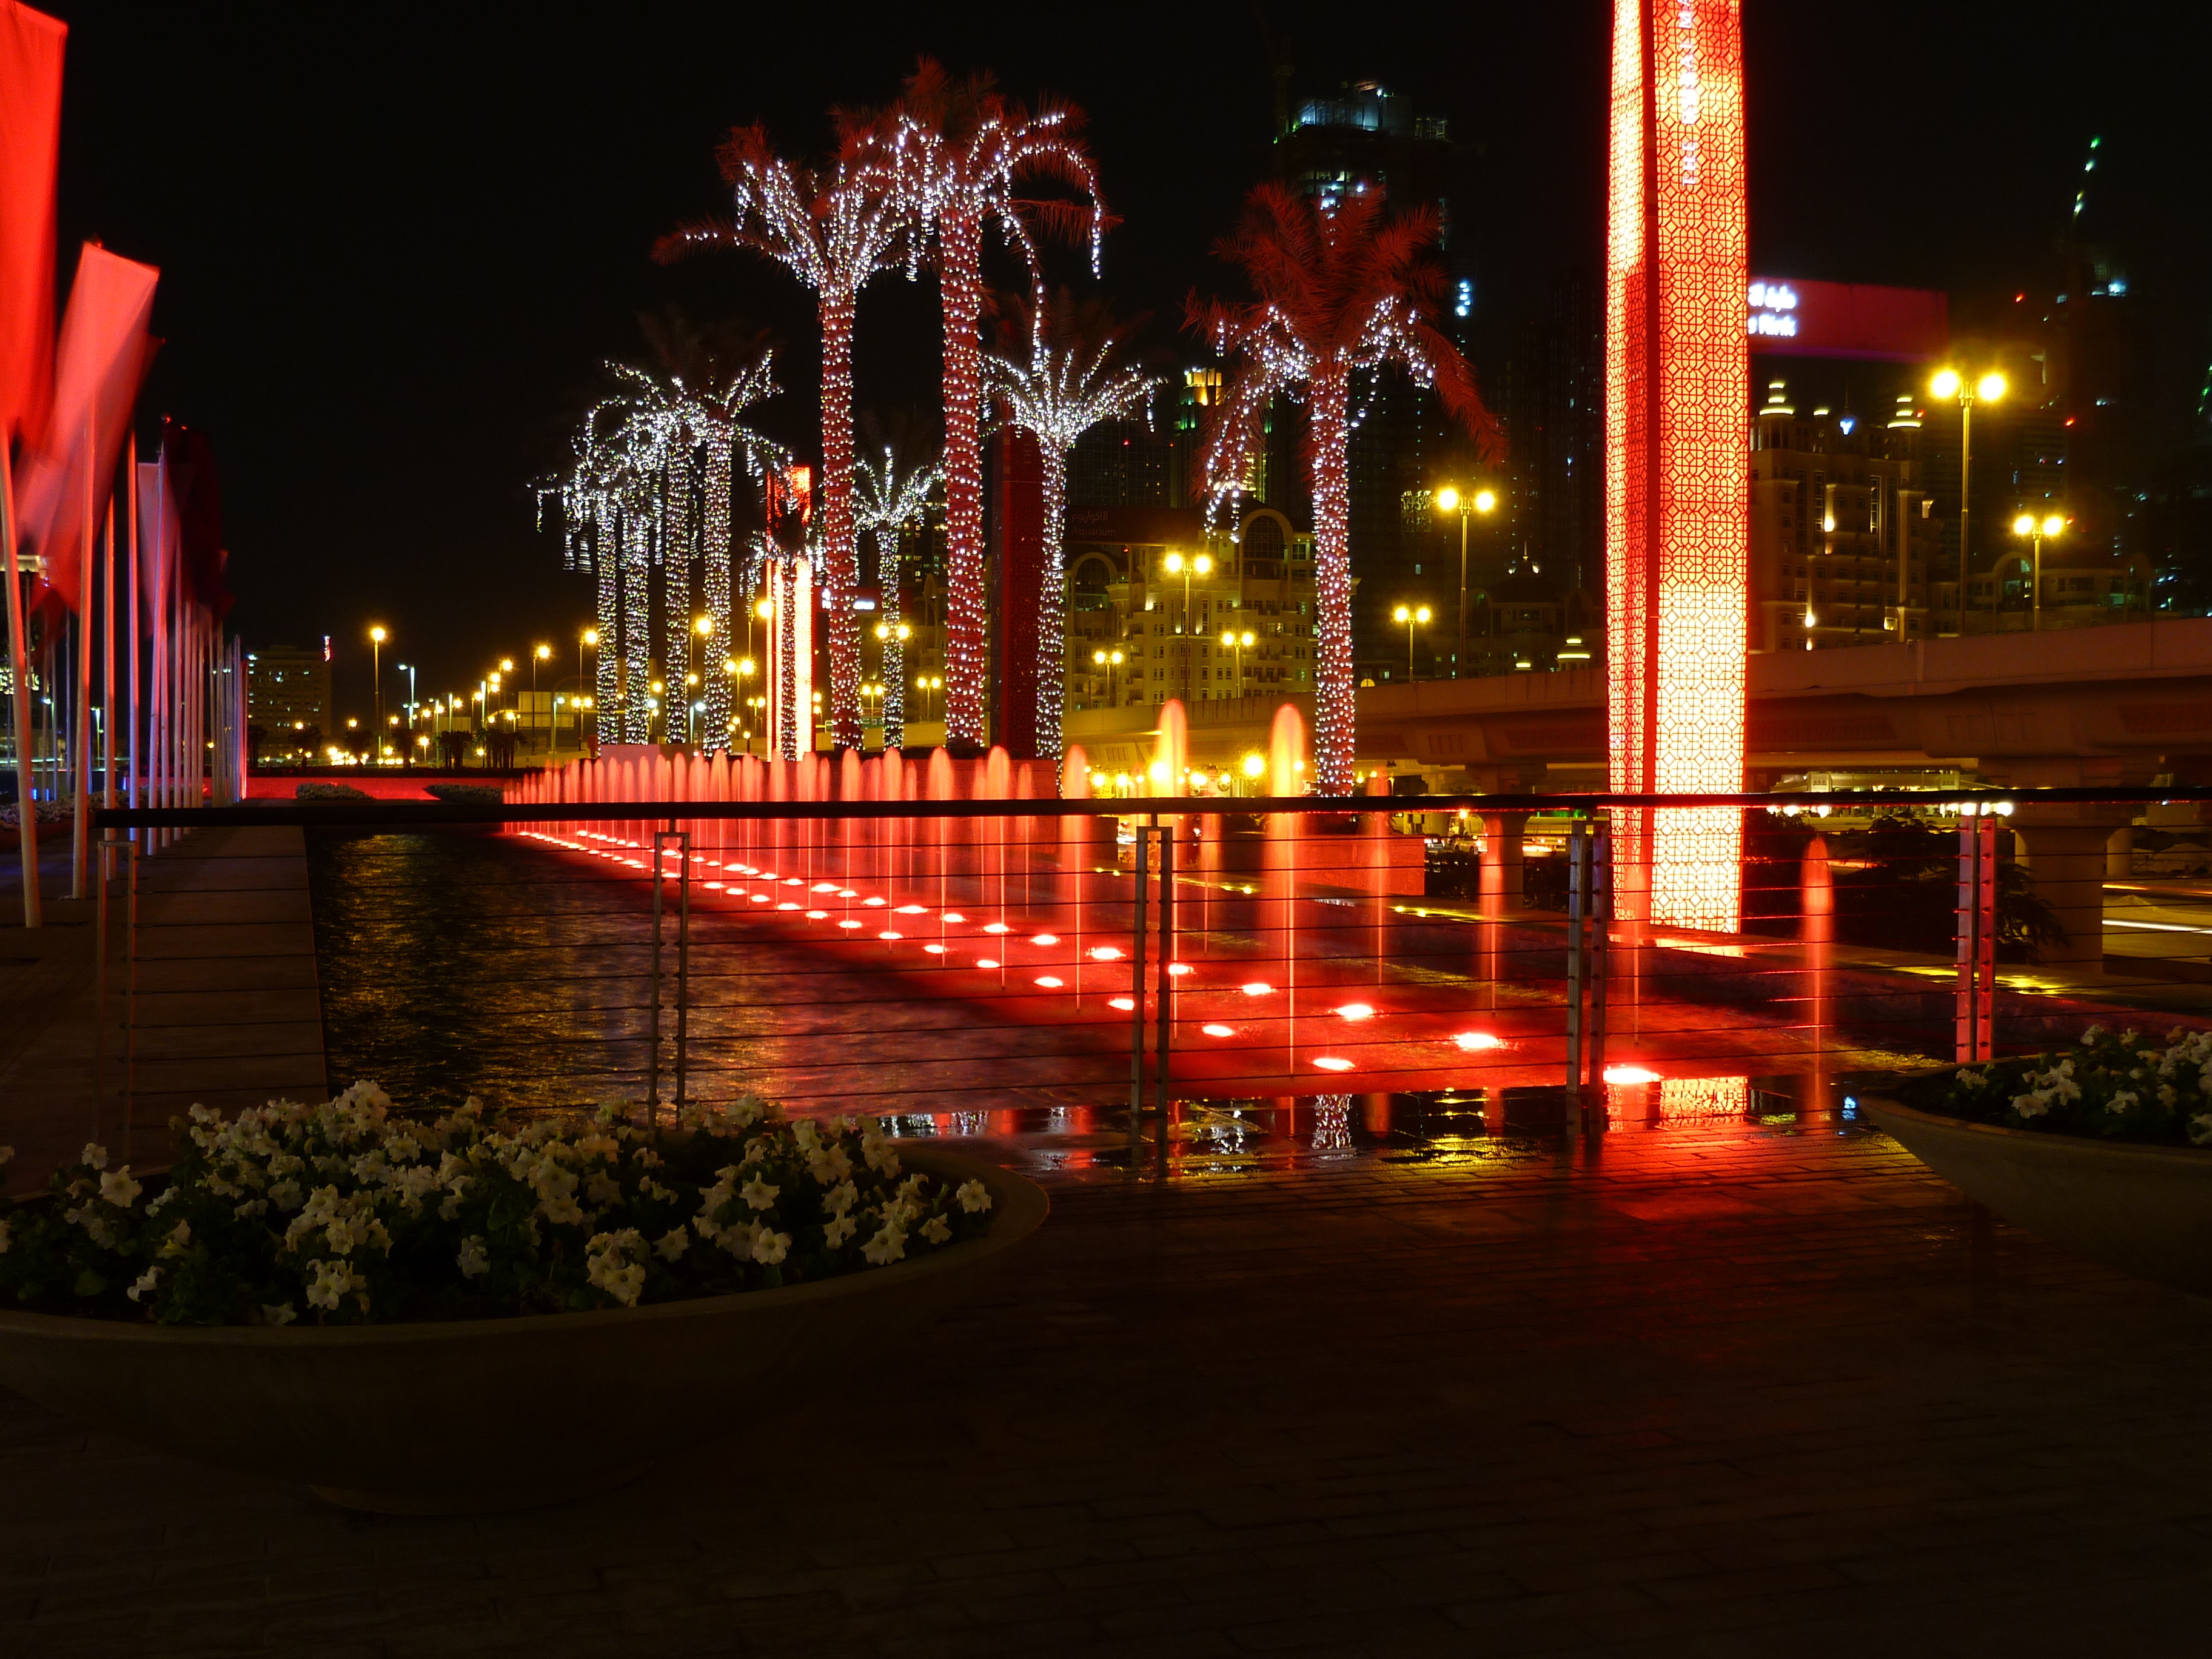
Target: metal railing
(1165,949)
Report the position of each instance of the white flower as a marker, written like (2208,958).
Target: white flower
(840,1228)
(841,1199)
(828,1165)
(180,1238)
(876,1148)
(282,1314)
(607,1265)
(602,1190)
(2030,1105)
(974,1196)
(2200,1128)
(95,1155)
(2092,1033)
(889,1245)
(118,1188)
(251,1206)
(937,1230)
(770,1247)
(146,1280)
(758,1193)
(2121,1101)
(2168,1096)
(671,1244)
(285,1195)
(473,1258)
(333,1281)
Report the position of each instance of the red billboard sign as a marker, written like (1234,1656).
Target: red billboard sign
(1792,318)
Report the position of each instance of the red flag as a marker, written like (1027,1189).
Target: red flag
(157,538)
(104,352)
(191,460)
(30,138)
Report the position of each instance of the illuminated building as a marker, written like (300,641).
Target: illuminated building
(1134,588)
(1677,452)
(1846,547)
(287,692)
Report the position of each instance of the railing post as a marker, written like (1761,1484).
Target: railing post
(1577,885)
(1976,1020)
(1598,890)
(683,964)
(1166,1014)
(1141,904)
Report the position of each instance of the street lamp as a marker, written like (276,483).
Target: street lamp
(1240,643)
(1414,616)
(1179,566)
(376,638)
(1950,384)
(2036,530)
(1111,662)
(1450,500)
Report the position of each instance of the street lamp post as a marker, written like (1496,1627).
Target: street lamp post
(1239,643)
(376,638)
(2036,529)
(1414,616)
(539,655)
(1949,383)
(1450,500)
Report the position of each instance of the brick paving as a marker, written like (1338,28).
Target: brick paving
(1715,1389)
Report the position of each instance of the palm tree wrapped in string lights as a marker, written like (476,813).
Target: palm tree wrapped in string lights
(1344,290)
(891,494)
(972,150)
(833,228)
(1062,376)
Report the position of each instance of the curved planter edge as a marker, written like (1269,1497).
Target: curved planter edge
(2145,1210)
(412,1418)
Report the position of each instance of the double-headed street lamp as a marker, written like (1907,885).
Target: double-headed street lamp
(2037,530)
(1450,500)
(1414,616)
(1950,384)
(1240,643)
(1177,565)
(1111,662)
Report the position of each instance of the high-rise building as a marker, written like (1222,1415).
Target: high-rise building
(1553,399)
(1846,547)
(288,696)
(1365,137)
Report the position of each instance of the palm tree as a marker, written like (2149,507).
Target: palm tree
(894,488)
(1344,290)
(832,226)
(650,487)
(1063,376)
(973,148)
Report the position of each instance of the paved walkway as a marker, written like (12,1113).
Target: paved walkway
(1715,1389)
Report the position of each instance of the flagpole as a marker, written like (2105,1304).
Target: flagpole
(131,631)
(107,675)
(19,657)
(81,716)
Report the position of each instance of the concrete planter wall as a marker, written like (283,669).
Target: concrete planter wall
(495,1413)
(2145,1210)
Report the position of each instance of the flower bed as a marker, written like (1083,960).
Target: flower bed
(2115,1086)
(347,1214)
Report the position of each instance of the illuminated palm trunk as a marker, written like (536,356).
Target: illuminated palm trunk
(960,283)
(1677,452)
(676,604)
(1333,734)
(606,687)
(840,555)
(715,584)
(1052,605)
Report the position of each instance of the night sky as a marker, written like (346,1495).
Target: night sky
(396,242)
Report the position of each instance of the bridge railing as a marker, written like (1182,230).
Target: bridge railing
(1119,960)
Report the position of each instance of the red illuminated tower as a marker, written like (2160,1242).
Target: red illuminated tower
(1677,450)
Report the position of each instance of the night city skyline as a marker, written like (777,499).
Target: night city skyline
(387,318)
